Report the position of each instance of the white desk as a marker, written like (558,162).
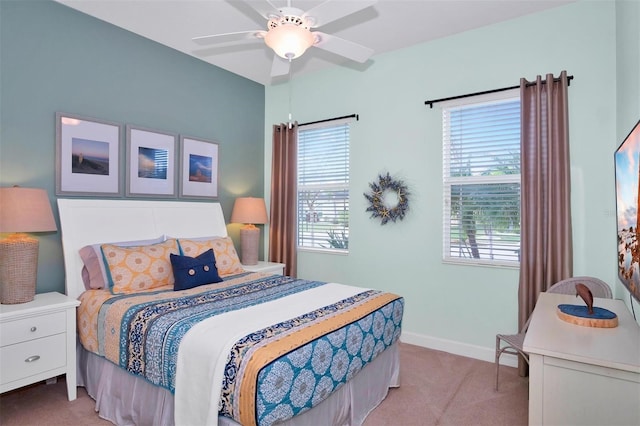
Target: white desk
(582,375)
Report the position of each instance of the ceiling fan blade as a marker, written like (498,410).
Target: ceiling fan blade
(280,66)
(230,37)
(331,10)
(348,49)
(264,8)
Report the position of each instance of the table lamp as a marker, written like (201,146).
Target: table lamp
(249,210)
(21,210)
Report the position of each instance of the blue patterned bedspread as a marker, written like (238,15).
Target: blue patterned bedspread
(319,351)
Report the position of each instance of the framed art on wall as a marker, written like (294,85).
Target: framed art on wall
(87,156)
(151,163)
(198,168)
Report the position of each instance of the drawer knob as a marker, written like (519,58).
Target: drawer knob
(32,358)
(34,328)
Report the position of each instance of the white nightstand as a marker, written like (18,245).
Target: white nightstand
(272,267)
(38,341)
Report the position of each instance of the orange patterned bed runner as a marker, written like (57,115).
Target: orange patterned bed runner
(266,354)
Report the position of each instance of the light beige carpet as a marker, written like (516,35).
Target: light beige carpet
(436,388)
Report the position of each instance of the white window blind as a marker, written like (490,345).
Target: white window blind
(481,177)
(323,187)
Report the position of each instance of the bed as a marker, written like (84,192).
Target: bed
(254,348)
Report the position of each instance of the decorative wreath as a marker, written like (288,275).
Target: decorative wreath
(376,198)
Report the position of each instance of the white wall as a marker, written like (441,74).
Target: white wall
(460,308)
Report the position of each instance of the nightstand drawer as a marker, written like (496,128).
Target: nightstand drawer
(32,328)
(30,358)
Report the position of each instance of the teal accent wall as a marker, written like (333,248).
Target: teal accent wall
(453,307)
(54,58)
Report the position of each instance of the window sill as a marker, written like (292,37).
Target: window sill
(338,252)
(481,263)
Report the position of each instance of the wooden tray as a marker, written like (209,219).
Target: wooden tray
(579,315)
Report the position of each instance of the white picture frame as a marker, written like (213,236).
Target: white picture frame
(151,163)
(87,156)
(199,160)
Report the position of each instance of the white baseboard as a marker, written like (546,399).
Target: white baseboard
(457,348)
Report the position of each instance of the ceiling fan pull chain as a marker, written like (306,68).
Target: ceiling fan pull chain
(290,94)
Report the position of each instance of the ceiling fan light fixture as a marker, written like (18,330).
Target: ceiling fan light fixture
(289,41)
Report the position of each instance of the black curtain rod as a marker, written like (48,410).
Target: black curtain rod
(435,101)
(331,119)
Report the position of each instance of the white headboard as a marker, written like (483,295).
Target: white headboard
(85,222)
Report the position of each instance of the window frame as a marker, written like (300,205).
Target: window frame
(346,186)
(448,182)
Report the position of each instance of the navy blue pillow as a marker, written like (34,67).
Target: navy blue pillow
(190,272)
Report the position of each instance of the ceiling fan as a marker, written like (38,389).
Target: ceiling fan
(289,31)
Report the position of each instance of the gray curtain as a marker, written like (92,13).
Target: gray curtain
(283,222)
(546,236)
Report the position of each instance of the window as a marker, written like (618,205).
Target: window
(481,177)
(323,186)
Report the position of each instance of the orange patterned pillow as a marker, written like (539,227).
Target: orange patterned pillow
(227,260)
(141,268)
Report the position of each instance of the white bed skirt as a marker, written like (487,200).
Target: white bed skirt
(125,399)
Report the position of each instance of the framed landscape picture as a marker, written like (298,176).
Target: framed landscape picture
(151,163)
(198,168)
(87,156)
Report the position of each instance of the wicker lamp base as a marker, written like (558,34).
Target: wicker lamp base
(249,242)
(18,269)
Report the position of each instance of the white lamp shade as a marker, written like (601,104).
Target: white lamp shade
(288,40)
(25,210)
(249,210)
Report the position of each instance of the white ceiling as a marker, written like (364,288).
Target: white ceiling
(388,25)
